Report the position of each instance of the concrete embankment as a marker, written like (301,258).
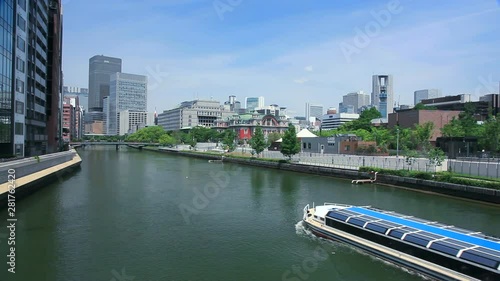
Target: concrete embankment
(29,174)
(457,190)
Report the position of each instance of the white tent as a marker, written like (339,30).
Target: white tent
(304,133)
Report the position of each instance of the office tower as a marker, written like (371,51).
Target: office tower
(383,94)
(316,111)
(100,70)
(420,95)
(353,102)
(254,103)
(30,78)
(105,111)
(127,92)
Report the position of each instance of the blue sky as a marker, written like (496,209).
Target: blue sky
(290,52)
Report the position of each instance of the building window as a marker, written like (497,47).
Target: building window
(19,86)
(309,145)
(304,145)
(22,4)
(347,147)
(20,64)
(19,107)
(19,149)
(21,45)
(19,128)
(21,22)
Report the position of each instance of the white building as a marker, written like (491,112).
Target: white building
(126,92)
(193,113)
(425,94)
(333,121)
(129,121)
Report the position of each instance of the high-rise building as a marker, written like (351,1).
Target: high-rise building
(71,105)
(127,92)
(383,94)
(253,103)
(105,111)
(420,95)
(353,102)
(100,70)
(30,77)
(316,111)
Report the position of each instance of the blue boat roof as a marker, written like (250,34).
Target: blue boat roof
(428,228)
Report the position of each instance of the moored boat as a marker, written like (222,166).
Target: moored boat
(436,250)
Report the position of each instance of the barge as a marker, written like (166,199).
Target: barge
(436,250)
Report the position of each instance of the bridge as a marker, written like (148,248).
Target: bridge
(138,145)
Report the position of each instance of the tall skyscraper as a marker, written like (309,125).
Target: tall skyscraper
(127,92)
(383,94)
(30,77)
(353,102)
(100,70)
(425,94)
(253,103)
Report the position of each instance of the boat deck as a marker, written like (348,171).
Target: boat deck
(428,227)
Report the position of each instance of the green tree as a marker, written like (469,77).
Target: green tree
(490,134)
(228,140)
(421,106)
(410,157)
(364,121)
(167,140)
(290,144)
(148,134)
(436,157)
(258,142)
(423,134)
(453,129)
(272,137)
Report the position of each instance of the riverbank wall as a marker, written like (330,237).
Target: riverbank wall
(451,189)
(30,174)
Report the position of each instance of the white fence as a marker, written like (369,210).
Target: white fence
(475,168)
(355,161)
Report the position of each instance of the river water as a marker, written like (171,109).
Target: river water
(133,215)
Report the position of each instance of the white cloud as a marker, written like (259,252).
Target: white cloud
(301,80)
(308,68)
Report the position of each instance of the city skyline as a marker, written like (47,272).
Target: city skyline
(241,55)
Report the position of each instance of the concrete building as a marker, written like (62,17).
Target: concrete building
(95,128)
(193,113)
(76,121)
(127,92)
(383,94)
(425,94)
(253,103)
(30,77)
(333,121)
(410,118)
(100,70)
(337,144)
(493,101)
(353,102)
(129,121)
(68,121)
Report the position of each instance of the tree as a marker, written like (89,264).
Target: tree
(167,140)
(364,121)
(148,134)
(490,134)
(436,156)
(421,106)
(290,144)
(228,139)
(423,134)
(272,137)
(410,157)
(453,129)
(258,142)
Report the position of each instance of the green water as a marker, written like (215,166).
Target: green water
(141,216)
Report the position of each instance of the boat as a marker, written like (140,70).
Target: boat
(436,250)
